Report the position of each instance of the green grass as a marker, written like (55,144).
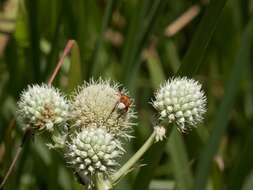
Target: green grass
(215,48)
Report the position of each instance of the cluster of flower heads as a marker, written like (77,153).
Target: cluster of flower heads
(181,101)
(89,128)
(101,123)
(97,122)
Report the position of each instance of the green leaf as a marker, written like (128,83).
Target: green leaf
(177,150)
(222,116)
(243,163)
(172,57)
(194,56)
(75,73)
(96,65)
(140,29)
(180,162)
(34,39)
(155,70)
(248,185)
(190,65)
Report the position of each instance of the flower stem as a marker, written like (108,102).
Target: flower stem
(101,183)
(28,132)
(66,51)
(27,135)
(132,161)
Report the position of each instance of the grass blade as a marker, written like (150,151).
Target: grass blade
(243,164)
(248,185)
(75,72)
(222,117)
(180,162)
(34,38)
(194,55)
(140,29)
(201,39)
(175,146)
(155,69)
(95,69)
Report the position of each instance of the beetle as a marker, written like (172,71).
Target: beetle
(124,102)
(121,105)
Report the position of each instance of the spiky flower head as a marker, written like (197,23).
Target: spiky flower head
(99,104)
(42,107)
(181,100)
(92,151)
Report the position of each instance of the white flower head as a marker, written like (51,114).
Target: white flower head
(99,104)
(92,151)
(42,107)
(181,101)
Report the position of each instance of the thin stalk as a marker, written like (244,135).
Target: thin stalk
(183,20)
(11,166)
(29,132)
(134,159)
(66,51)
(101,183)
(27,135)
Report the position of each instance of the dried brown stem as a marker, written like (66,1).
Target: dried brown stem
(183,20)
(26,136)
(29,131)
(66,51)
(11,166)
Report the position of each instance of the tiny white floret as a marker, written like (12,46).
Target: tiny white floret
(160,133)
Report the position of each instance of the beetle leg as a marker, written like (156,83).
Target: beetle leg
(113,109)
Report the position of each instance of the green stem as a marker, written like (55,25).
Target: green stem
(132,161)
(101,183)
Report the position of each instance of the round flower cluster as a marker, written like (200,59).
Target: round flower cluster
(99,119)
(182,101)
(42,107)
(98,104)
(99,115)
(93,150)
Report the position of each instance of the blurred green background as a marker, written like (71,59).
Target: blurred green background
(125,40)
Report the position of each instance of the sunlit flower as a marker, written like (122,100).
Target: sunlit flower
(181,100)
(98,104)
